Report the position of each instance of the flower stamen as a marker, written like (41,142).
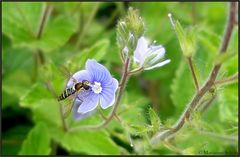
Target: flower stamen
(96,87)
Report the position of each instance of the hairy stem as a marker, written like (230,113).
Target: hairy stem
(135,71)
(123,83)
(38,55)
(43,20)
(62,118)
(227,80)
(193,73)
(205,88)
(40,59)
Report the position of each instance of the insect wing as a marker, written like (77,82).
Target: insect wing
(72,100)
(75,101)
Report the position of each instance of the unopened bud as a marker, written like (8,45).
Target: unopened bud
(134,22)
(186,38)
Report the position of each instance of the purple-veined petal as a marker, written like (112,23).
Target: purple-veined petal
(141,49)
(77,115)
(79,76)
(158,65)
(113,86)
(84,94)
(98,72)
(89,104)
(107,96)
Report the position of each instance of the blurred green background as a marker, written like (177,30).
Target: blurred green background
(74,32)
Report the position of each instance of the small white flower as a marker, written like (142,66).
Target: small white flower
(149,56)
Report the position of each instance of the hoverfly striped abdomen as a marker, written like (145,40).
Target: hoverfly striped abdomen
(67,92)
(77,87)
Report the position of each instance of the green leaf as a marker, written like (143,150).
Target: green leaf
(20,21)
(43,105)
(17,87)
(46,109)
(228,105)
(187,39)
(15,64)
(228,98)
(133,108)
(97,52)
(37,142)
(223,57)
(155,120)
(140,129)
(209,40)
(89,142)
(230,67)
(56,33)
(14,59)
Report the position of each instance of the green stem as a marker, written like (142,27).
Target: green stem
(87,24)
(227,80)
(43,20)
(38,55)
(123,83)
(190,63)
(163,135)
(135,71)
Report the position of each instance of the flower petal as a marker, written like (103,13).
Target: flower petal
(158,65)
(107,97)
(98,72)
(160,51)
(141,50)
(79,76)
(89,104)
(77,115)
(84,94)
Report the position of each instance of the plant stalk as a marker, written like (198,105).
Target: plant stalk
(206,87)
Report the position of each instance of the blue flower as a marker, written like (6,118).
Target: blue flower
(102,89)
(149,56)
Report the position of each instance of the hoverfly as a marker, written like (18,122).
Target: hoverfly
(75,89)
(79,86)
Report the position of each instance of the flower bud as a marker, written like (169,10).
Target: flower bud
(129,30)
(134,22)
(186,38)
(131,44)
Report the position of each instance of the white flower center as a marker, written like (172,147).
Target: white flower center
(96,87)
